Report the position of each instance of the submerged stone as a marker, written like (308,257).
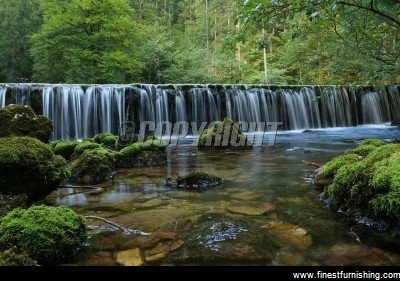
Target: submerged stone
(131,257)
(289,234)
(194,181)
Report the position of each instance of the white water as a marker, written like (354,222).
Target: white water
(83,111)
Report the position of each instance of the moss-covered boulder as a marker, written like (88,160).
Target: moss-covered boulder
(106,139)
(66,149)
(148,153)
(29,166)
(85,145)
(19,120)
(224,134)
(46,234)
(194,181)
(92,166)
(365,181)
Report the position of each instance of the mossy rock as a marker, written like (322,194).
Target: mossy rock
(148,153)
(224,134)
(106,139)
(46,234)
(85,145)
(66,149)
(29,166)
(92,166)
(19,120)
(366,181)
(194,181)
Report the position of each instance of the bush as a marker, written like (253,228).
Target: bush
(19,120)
(65,148)
(47,234)
(106,139)
(93,166)
(80,148)
(29,166)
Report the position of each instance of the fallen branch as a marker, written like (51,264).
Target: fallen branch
(120,227)
(312,163)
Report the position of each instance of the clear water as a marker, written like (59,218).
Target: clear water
(265,196)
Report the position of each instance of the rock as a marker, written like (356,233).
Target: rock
(130,257)
(101,261)
(194,181)
(19,120)
(320,180)
(287,259)
(155,258)
(29,166)
(289,234)
(224,134)
(252,211)
(153,203)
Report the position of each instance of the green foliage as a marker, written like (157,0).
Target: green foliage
(29,166)
(106,139)
(85,41)
(92,166)
(19,120)
(86,145)
(65,148)
(333,166)
(149,153)
(11,257)
(155,144)
(15,26)
(47,234)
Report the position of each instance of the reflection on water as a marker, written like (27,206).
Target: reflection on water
(265,191)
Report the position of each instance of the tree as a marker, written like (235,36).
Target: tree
(19,18)
(86,41)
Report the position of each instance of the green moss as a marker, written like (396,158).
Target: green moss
(373,142)
(11,257)
(148,153)
(93,166)
(197,181)
(86,145)
(155,144)
(47,234)
(65,148)
(18,120)
(106,139)
(387,205)
(367,179)
(363,150)
(332,166)
(29,166)
(386,174)
(223,134)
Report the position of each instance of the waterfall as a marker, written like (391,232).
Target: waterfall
(371,108)
(81,111)
(3,92)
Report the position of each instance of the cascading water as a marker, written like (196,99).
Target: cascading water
(81,111)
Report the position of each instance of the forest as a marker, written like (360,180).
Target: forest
(200,41)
